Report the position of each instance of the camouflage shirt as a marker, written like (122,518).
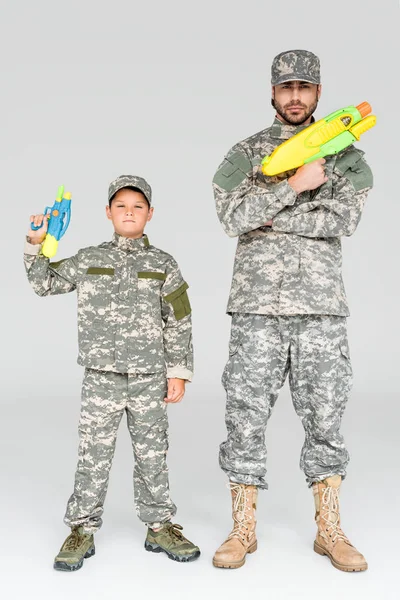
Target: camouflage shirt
(293,267)
(134,314)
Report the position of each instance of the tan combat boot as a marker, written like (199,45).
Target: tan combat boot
(330,540)
(242,539)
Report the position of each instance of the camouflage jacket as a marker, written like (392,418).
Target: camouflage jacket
(134,314)
(293,267)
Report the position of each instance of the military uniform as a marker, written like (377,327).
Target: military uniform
(134,330)
(287,298)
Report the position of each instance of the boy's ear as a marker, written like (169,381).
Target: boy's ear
(150,215)
(108,212)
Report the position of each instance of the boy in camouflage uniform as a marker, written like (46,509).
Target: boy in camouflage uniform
(135,342)
(289,309)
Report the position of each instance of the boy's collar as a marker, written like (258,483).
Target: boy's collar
(130,244)
(283,131)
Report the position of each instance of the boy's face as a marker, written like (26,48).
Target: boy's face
(129,213)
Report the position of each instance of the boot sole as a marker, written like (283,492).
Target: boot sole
(64,566)
(322,552)
(235,565)
(158,549)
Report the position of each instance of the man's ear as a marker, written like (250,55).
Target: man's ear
(273,92)
(319,90)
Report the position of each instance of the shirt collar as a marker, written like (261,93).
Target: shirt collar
(282,131)
(130,244)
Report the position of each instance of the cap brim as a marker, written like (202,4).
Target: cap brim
(291,78)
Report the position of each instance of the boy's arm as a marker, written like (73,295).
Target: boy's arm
(241,205)
(335,216)
(48,278)
(176,314)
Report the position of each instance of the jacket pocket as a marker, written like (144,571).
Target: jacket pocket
(100,271)
(149,285)
(96,290)
(234,169)
(152,275)
(180,301)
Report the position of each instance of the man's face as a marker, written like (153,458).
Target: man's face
(295,101)
(129,213)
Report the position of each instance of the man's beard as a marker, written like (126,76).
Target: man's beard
(294,119)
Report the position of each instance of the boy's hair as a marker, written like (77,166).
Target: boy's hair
(129,187)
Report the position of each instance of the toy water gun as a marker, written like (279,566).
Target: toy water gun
(59,216)
(323,138)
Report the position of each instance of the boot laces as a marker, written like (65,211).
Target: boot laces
(175,530)
(73,541)
(330,513)
(241,511)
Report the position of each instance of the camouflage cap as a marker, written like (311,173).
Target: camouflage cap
(295,65)
(124,181)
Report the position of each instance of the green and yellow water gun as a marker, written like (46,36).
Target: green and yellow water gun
(323,138)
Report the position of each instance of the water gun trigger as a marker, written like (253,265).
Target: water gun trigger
(46,213)
(67,219)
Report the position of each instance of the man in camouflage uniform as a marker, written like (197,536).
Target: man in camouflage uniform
(289,309)
(135,333)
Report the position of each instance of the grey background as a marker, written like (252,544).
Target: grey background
(91,90)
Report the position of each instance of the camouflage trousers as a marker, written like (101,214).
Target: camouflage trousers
(263,350)
(106,396)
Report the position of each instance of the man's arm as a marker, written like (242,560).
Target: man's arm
(177,332)
(336,216)
(241,205)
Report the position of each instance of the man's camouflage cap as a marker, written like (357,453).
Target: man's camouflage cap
(295,65)
(125,181)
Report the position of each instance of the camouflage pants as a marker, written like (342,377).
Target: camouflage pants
(263,350)
(106,396)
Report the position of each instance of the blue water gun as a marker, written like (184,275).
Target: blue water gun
(59,216)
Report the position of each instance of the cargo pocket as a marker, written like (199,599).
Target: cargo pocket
(180,302)
(344,350)
(345,372)
(235,337)
(234,343)
(233,349)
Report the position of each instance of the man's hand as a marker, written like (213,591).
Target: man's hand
(37,237)
(309,176)
(176,390)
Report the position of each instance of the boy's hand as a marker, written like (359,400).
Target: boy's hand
(176,390)
(37,237)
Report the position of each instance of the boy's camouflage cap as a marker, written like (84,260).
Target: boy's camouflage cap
(295,65)
(124,181)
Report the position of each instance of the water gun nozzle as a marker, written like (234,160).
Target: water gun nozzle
(364,109)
